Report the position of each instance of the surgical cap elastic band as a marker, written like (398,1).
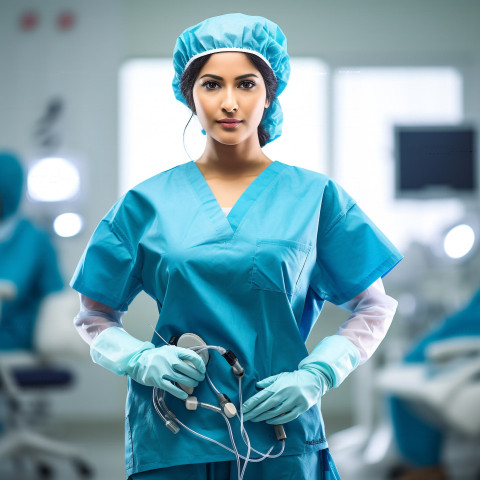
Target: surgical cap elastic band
(228,49)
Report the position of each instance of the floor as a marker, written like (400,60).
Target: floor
(102,445)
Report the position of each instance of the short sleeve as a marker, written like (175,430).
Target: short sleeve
(352,252)
(109,270)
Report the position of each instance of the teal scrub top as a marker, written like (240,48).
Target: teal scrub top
(29,261)
(254,282)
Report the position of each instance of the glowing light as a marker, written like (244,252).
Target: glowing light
(68,224)
(53,180)
(459,241)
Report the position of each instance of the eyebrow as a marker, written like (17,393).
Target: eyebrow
(236,78)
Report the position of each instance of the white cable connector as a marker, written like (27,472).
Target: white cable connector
(227,410)
(191,403)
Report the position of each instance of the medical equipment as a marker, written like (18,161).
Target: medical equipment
(23,381)
(446,388)
(434,417)
(227,409)
(436,161)
(444,391)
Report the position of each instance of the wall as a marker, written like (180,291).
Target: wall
(82,65)
(79,65)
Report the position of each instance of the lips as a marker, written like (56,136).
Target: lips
(228,120)
(229,123)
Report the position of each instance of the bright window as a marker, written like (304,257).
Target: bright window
(368,103)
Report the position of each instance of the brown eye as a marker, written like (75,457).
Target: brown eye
(210,82)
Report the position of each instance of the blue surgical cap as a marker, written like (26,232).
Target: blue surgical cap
(11,183)
(239,33)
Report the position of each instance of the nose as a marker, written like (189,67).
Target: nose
(229,101)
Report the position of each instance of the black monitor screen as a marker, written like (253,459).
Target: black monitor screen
(436,159)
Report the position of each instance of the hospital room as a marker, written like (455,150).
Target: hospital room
(292,186)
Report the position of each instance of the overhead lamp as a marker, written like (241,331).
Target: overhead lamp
(68,225)
(459,241)
(53,179)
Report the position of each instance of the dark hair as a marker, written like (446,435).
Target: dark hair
(191,73)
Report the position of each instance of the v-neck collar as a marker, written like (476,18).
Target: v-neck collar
(227,225)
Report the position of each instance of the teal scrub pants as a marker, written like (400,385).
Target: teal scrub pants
(309,466)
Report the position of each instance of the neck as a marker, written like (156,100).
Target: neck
(234,159)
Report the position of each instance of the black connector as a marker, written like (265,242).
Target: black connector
(230,357)
(173,340)
(233,361)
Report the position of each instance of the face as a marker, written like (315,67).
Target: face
(230,87)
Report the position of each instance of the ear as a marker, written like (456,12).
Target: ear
(267,103)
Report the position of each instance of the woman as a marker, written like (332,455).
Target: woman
(251,278)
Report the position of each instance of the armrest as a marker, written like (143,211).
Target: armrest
(414,382)
(445,350)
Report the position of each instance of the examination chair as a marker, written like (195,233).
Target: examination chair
(26,380)
(445,390)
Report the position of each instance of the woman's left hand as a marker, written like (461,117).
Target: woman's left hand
(285,396)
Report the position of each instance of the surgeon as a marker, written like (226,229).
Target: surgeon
(28,262)
(243,251)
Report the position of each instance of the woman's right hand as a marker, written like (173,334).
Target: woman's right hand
(160,367)
(116,350)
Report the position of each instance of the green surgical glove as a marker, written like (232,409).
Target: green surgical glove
(289,394)
(119,352)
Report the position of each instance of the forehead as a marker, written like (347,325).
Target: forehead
(228,64)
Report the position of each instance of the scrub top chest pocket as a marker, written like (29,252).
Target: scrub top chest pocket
(278,265)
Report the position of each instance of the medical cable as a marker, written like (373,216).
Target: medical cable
(159,402)
(240,417)
(213,408)
(170,418)
(158,335)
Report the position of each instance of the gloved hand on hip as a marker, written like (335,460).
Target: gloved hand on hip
(289,394)
(116,350)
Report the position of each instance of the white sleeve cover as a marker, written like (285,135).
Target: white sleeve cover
(94,317)
(372,314)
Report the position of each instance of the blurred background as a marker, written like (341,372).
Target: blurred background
(384,97)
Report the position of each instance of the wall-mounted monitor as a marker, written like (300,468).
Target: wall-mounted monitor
(436,161)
